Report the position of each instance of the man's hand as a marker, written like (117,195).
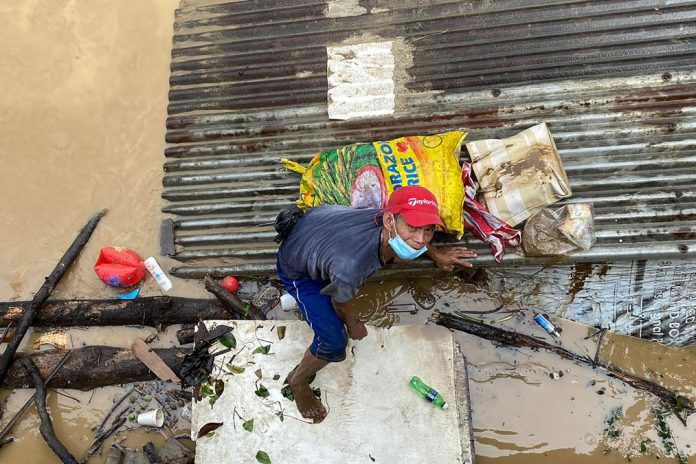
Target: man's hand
(448,259)
(356,330)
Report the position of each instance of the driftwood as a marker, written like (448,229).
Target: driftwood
(508,338)
(46,427)
(151,453)
(232,303)
(151,311)
(113,408)
(103,435)
(18,414)
(46,289)
(90,367)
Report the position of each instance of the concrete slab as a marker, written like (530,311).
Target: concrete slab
(373,415)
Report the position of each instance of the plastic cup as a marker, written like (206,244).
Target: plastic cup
(287,302)
(154,418)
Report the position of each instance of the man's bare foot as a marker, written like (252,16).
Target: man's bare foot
(289,376)
(309,405)
(357,330)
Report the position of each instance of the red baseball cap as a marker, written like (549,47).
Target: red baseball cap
(416,205)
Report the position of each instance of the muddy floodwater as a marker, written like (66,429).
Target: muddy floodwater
(83,96)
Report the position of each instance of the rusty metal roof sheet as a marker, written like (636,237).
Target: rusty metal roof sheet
(614,81)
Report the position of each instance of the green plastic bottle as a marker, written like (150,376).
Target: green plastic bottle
(428,393)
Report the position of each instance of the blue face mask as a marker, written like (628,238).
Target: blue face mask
(402,249)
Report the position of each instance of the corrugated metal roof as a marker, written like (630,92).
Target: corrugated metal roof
(614,80)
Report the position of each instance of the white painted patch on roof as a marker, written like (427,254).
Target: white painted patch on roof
(361,80)
(373,412)
(343,8)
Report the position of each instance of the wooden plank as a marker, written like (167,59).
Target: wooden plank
(144,353)
(114,456)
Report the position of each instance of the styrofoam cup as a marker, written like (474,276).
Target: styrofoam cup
(287,302)
(153,418)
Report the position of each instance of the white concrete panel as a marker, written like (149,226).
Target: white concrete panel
(372,410)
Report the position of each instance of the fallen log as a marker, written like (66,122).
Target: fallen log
(508,338)
(236,307)
(46,427)
(151,311)
(45,291)
(90,367)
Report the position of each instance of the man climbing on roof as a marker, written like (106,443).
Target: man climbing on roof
(330,251)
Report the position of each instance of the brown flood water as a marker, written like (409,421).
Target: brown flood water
(523,415)
(83,97)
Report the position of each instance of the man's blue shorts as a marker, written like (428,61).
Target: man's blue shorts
(330,336)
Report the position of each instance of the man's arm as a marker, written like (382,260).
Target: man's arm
(449,258)
(346,313)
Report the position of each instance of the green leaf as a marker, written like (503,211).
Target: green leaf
(286,391)
(234,369)
(262,391)
(212,400)
(258,373)
(206,390)
(245,310)
(248,425)
(228,340)
(281,332)
(263,458)
(263,349)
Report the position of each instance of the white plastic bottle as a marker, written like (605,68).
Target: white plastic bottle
(154,268)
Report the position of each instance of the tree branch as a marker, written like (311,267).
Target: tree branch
(46,289)
(46,426)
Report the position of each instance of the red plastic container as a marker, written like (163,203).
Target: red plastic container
(119,267)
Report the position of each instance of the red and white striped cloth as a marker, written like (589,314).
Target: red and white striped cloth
(490,229)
